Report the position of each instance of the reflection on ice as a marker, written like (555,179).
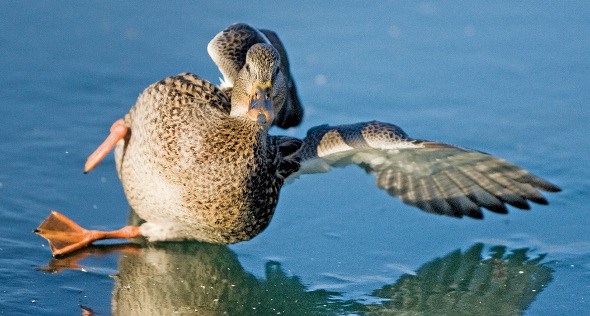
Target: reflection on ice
(201,278)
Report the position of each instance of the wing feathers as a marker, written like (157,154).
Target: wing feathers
(435,177)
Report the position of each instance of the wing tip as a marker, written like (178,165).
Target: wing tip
(549,187)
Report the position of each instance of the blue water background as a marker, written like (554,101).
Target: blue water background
(511,79)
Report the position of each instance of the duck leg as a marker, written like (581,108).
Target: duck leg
(118,131)
(65,236)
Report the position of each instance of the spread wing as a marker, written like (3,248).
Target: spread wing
(228,50)
(435,177)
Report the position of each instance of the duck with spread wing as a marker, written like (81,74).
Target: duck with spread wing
(197,163)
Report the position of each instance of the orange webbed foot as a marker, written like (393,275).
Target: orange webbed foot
(65,236)
(118,131)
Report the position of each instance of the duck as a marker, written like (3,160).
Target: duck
(197,162)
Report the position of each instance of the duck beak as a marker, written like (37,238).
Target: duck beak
(261,108)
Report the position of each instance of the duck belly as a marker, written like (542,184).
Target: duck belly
(215,203)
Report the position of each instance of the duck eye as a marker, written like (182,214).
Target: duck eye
(248,67)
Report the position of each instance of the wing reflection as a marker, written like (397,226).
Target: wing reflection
(504,284)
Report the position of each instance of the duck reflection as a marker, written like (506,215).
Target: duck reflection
(206,279)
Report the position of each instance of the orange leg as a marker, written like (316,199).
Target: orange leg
(118,131)
(65,236)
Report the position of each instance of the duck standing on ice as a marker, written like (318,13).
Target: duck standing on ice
(197,163)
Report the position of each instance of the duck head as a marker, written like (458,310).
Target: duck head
(260,88)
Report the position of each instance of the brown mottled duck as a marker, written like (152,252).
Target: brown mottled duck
(197,163)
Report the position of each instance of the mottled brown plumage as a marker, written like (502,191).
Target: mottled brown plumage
(192,170)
